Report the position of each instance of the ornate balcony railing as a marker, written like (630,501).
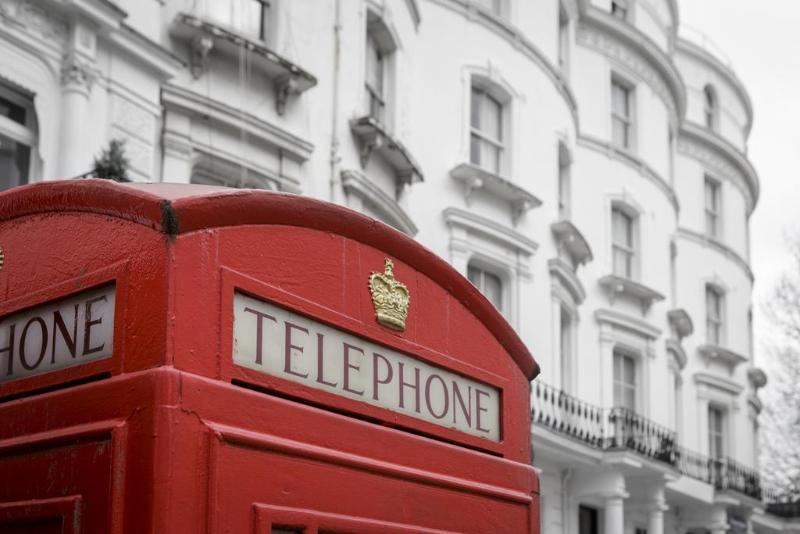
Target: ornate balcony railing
(630,430)
(781,504)
(621,428)
(568,415)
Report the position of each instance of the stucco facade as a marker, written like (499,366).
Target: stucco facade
(579,160)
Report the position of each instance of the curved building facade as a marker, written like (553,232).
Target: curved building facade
(581,162)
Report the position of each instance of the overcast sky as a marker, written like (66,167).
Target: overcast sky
(762,41)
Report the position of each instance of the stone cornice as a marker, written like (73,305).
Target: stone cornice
(701,54)
(627,322)
(638,164)
(354,182)
(627,45)
(719,155)
(722,248)
(500,234)
(518,40)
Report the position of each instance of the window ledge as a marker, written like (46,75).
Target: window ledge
(357,184)
(617,285)
(571,239)
(374,138)
(204,36)
(681,323)
(474,178)
(726,356)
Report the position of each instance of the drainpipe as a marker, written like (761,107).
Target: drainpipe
(334,154)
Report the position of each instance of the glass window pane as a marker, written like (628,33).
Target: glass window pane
(12,111)
(491,117)
(474,276)
(619,99)
(475,149)
(490,157)
(15,161)
(493,289)
(475,109)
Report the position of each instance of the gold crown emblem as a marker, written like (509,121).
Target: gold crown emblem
(390,298)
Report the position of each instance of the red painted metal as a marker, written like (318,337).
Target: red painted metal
(168,435)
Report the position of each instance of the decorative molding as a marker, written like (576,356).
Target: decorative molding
(474,178)
(519,41)
(292,146)
(716,353)
(623,43)
(676,349)
(77,74)
(638,164)
(721,157)
(571,240)
(355,183)
(719,383)
(618,285)
(563,274)
(132,118)
(681,323)
(489,229)
(32,16)
(723,249)
(700,53)
(627,322)
(374,138)
(204,37)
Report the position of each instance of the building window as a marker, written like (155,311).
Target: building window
(712,207)
(714,316)
(488,283)
(621,118)
(495,7)
(17,138)
(250,17)
(716,433)
(620,9)
(622,243)
(624,381)
(374,79)
(563,40)
(710,107)
(588,522)
(486,131)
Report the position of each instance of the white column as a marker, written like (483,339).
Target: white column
(76,82)
(614,515)
(719,520)
(656,520)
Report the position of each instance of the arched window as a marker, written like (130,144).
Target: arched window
(710,107)
(17,138)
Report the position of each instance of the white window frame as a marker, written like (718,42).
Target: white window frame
(22,133)
(630,250)
(482,270)
(715,324)
(235,19)
(628,118)
(378,34)
(721,433)
(564,186)
(712,213)
(481,96)
(622,355)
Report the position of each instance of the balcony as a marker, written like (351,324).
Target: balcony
(609,429)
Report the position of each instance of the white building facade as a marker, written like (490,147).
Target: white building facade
(583,164)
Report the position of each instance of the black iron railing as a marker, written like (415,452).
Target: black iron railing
(621,428)
(567,414)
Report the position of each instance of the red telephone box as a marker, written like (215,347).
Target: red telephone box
(204,360)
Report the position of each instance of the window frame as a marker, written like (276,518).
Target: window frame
(715,324)
(385,44)
(564,185)
(483,270)
(484,94)
(631,249)
(25,134)
(264,7)
(712,214)
(619,384)
(629,118)
(563,40)
(717,437)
